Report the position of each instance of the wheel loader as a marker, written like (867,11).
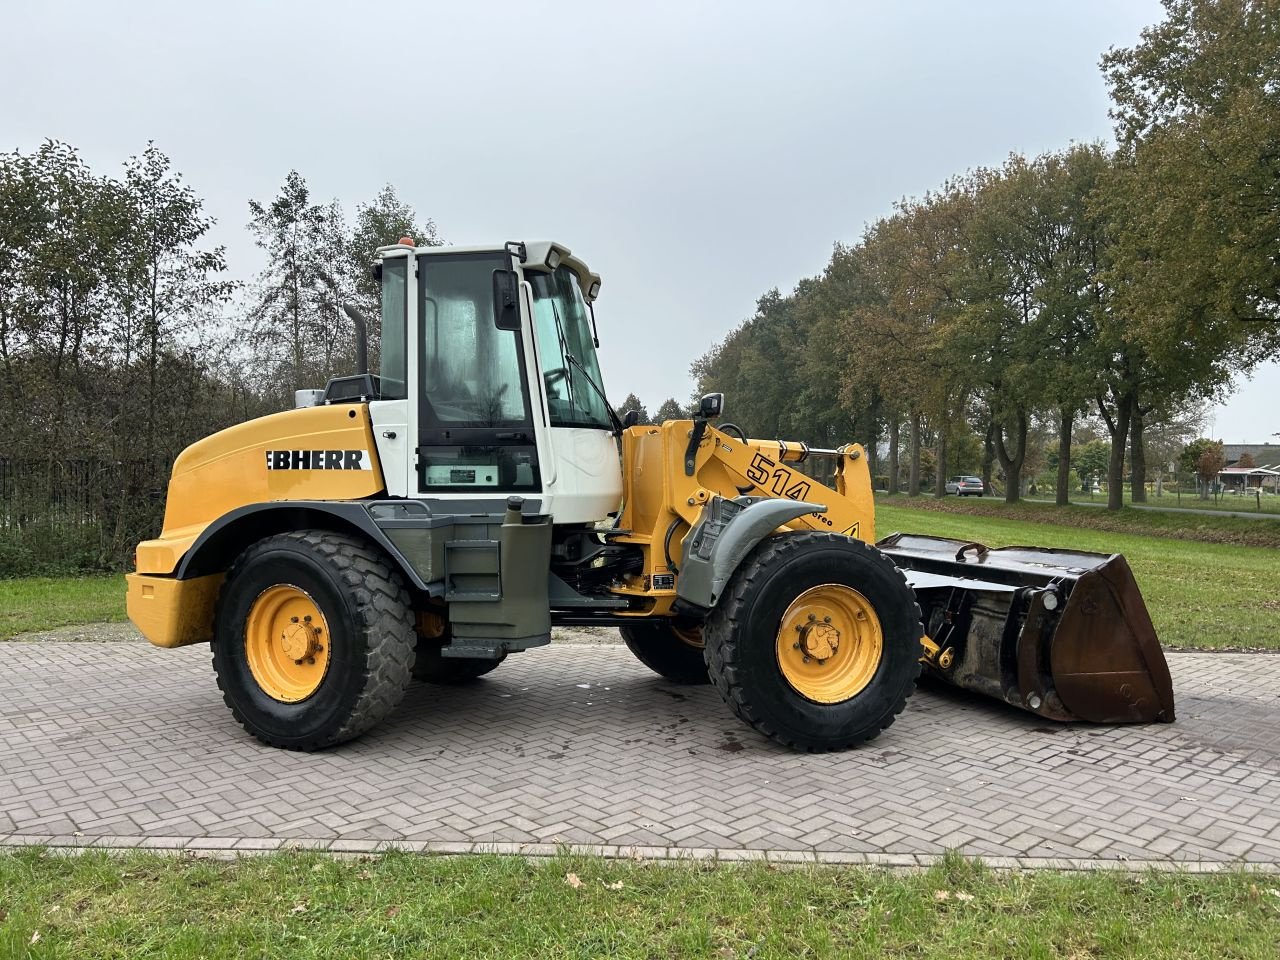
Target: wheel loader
(430,520)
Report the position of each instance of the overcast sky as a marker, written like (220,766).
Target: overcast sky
(695,154)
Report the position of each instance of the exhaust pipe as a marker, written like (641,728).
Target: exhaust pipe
(1063,634)
(362,336)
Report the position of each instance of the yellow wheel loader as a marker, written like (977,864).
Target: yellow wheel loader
(433,519)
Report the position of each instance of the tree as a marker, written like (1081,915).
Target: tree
(380,223)
(1246,461)
(1203,458)
(292,294)
(1197,111)
(169,282)
(633,403)
(1089,460)
(1194,205)
(1208,465)
(670,410)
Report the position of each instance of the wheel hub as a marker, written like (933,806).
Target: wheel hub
(300,639)
(820,641)
(830,643)
(286,644)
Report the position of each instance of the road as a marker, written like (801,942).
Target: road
(117,744)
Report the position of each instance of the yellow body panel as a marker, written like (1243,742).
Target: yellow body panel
(233,468)
(659,497)
(172,613)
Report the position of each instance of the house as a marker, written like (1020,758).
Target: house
(1264,474)
(1240,479)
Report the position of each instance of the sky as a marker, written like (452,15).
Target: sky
(696,154)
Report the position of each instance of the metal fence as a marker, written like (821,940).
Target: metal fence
(62,515)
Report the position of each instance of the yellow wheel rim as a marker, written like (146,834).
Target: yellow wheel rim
(830,643)
(690,636)
(286,641)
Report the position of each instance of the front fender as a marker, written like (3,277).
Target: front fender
(725,533)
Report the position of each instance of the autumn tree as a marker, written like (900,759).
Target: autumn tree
(1210,462)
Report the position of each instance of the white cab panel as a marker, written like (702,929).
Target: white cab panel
(588,477)
(390,419)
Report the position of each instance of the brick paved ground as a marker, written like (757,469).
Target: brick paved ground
(121,744)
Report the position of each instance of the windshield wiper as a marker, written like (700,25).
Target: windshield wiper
(617,424)
(568,355)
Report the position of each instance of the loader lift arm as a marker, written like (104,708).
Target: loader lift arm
(1062,634)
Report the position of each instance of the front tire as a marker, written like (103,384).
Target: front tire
(314,642)
(816,643)
(673,652)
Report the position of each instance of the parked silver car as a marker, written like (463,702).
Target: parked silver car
(966,486)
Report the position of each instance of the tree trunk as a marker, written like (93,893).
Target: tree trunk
(1119,428)
(873,439)
(988,456)
(913,480)
(1138,459)
(1066,420)
(1012,463)
(940,478)
(893,454)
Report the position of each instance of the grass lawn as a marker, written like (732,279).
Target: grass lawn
(1268,505)
(1199,594)
(1224,593)
(39,603)
(308,905)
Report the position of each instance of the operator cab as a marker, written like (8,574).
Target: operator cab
(489,380)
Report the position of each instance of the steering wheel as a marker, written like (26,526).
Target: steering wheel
(551,377)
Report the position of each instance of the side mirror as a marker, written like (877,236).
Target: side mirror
(506,300)
(630,419)
(711,406)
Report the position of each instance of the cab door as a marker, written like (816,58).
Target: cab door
(475,424)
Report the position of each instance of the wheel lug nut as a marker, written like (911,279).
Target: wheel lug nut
(795,646)
(826,619)
(812,618)
(806,658)
(298,662)
(293,619)
(311,659)
(307,618)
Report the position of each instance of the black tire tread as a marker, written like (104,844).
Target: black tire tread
(723,658)
(653,643)
(381,601)
(451,670)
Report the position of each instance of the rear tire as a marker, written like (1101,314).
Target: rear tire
(364,649)
(659,647)
(857,690)
(431,667)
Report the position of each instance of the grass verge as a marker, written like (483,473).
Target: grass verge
(1211,595)
(41,603)
(302,905)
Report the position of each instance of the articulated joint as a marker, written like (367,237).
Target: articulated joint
(935,655)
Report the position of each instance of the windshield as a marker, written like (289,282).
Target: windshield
(391,366)
(567,349)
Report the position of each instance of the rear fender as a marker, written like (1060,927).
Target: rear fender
(725,533)
(225,538)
